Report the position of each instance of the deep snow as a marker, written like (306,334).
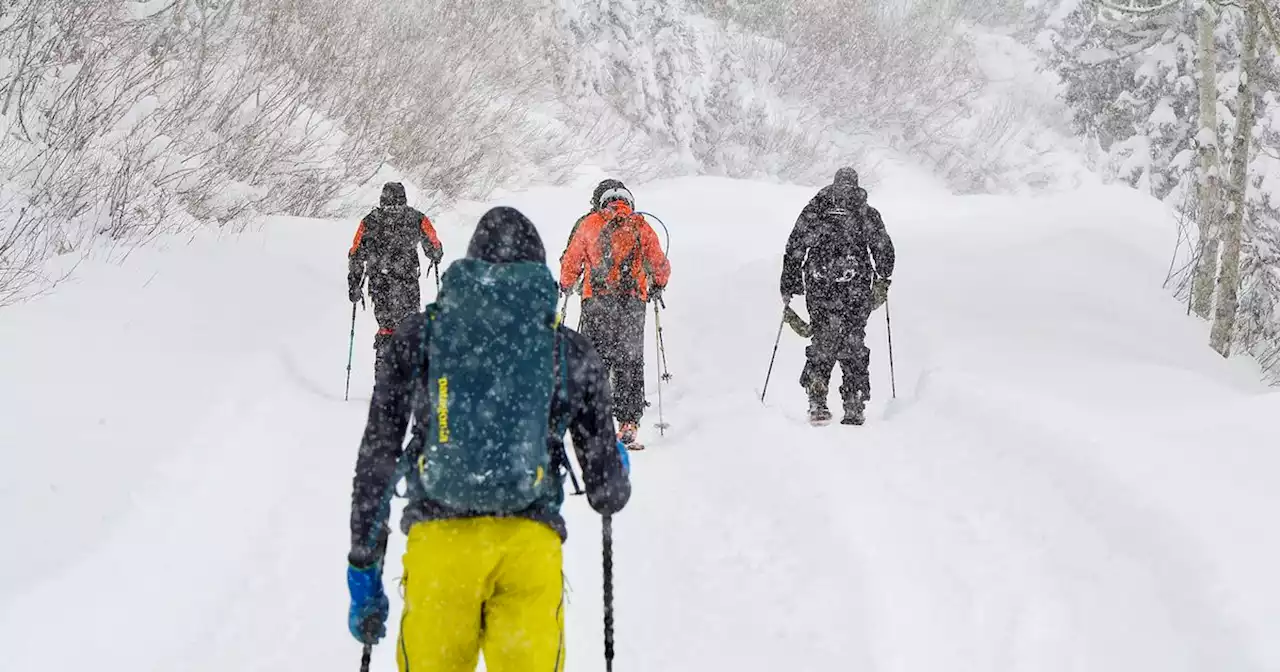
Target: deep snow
(1069,479)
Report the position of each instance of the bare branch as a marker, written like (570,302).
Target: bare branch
(1132,6)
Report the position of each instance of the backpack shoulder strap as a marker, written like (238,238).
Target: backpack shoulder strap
(409,459)
(561,460)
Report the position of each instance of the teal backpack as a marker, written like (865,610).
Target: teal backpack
(484,409)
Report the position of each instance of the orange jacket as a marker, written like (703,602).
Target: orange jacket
(585,255)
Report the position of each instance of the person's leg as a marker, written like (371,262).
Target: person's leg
(448,566)
(410,299)
(854,355)
(383,296)
(393,300)
(820,354)
(596,328)
(628,389)
(524,619)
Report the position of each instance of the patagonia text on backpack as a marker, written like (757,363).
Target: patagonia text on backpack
(489,384)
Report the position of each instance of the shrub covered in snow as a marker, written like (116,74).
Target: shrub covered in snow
(124,119)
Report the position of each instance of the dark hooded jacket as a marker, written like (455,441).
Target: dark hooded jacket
(502,236)
(387,239)
(838,247)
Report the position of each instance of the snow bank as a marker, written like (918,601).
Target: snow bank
(1067,479)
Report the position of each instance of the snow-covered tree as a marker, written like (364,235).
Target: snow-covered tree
(1164,89)
(1237,187)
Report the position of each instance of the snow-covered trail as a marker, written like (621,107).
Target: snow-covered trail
(176,457)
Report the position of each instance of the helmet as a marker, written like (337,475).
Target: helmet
(608,191)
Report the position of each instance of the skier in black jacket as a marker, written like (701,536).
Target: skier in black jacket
(839,257)
(386,247)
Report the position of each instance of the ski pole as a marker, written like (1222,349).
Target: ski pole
(366,657)
(662,345)
(607,545)
(351,351)
(888,323)
(776,342)
(564,311)
(435,266)
(573,476)
(664,375)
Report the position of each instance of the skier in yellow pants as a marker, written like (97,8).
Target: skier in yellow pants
(483,567)
(482,583)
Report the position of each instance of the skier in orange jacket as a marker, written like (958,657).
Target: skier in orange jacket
(619,260)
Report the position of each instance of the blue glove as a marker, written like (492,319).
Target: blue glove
(626,458)
(367,619)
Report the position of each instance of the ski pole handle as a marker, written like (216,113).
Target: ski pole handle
(564,311)
(366,657)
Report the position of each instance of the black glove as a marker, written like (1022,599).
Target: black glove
(355,293)
(435,254)
(786,299)
(879,292)
(655,294)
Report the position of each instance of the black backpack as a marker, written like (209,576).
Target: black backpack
(838,260)
(392,234)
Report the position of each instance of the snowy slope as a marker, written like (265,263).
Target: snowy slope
(1067,480)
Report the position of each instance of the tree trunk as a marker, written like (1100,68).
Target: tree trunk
(1229,280)
(1209,208)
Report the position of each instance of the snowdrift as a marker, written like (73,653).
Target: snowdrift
(1067,479)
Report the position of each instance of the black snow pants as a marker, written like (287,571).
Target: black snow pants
(394,298)
(615,327)
(839,335)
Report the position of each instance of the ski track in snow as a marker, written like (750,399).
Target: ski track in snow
(1040,496)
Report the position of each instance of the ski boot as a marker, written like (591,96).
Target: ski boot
(818,413)
(854,410)
(627,434)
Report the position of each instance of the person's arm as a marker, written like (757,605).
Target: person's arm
(382,445)
(792,283)
(595,438)
(573,234)
(656,263)
(355,265)
(430,242)
(879,243)
(574,260)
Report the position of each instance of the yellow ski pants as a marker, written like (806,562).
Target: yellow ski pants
(482,584)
